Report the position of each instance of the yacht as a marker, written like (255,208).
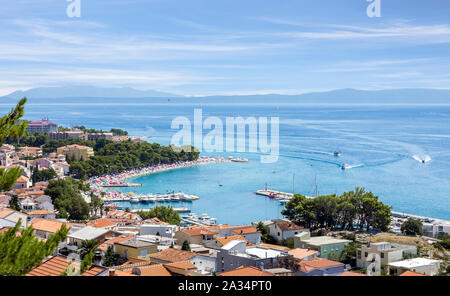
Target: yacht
(239,160)
(134,199)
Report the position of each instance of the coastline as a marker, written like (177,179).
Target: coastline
(97,183)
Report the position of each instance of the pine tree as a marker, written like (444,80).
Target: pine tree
(20,253)
(110,257)
(14,203)
(186,246)
(10,126)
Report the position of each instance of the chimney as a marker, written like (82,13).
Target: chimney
(112,271)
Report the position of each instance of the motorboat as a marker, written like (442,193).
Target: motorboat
(337,153)
(239,160)
(345,166)
(134,199)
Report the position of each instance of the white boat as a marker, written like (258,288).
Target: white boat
(145,199)
(337,153)
(345,166)
(134,199)
(239,160)
(194,197)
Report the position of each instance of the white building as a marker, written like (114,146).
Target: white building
(386,253)
(205,263)
(433,229)
(158,230)
(419,265)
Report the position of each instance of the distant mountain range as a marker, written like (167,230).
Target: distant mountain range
(340,96)
(87,92)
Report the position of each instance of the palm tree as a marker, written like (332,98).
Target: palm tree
(87,247)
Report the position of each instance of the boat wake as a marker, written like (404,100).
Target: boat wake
(423,159)
(347,166)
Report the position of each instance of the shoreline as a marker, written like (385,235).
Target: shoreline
(123,177)
(97,183)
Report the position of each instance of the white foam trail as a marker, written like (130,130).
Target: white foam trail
(426,158)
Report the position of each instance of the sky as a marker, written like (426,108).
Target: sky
(211,47)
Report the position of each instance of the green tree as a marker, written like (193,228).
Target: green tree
(44,175)
(88,246)
(165,214)
(14,203)
(265,234)
(66,197)
(96,203)
(109,259)
(412,227)
(20,253)
(11,126)
(355,208)
(186,246)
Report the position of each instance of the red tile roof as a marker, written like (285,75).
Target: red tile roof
(93,271)
(198,231)
(247,230)
(54,266)
(286,226)
(47,225)
(101,223)
(412,273)
(246,271)
(309,265)
(172,255)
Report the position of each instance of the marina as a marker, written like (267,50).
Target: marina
(152,198)
(203,219)
(179,210)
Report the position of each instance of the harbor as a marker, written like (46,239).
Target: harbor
(194,219)
(152,198)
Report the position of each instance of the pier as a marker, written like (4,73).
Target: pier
(282,197)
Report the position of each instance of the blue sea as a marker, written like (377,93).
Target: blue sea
(383,143)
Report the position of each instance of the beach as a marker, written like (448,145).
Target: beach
(98,184)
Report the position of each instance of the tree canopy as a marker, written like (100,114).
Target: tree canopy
(118,157)
(412,227)
(356,208)
(20,253)
(66,197)
(165,214)
(11,126)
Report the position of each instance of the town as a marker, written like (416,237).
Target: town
(75,232)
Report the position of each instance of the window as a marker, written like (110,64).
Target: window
(359,254)
(143,253)
(382,255)
(365,254)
